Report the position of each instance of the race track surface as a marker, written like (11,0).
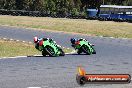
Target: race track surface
(113,56)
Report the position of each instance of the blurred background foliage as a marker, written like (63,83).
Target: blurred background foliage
(63,7)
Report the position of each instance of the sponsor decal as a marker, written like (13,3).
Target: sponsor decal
(83,78)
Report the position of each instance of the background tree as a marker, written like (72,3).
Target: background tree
(49,6)
(19,4)
(59,7)
(8,4)
(2,4)
(38,5)
(127,2)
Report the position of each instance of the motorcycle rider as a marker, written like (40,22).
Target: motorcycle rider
(37,40)
(77,41)
(74,41)
(39,46)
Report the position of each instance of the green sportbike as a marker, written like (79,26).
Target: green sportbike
(83,46)
(49,47)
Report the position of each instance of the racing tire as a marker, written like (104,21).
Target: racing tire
(79,51)
(44,53)
(62,53)
(85,49)
(50,51)
(94,52)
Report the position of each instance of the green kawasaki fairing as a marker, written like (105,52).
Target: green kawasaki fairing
(84,46)
(49,47)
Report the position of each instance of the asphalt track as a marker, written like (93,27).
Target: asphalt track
(113,56)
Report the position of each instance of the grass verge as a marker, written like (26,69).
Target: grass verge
(90,27)
(12,48)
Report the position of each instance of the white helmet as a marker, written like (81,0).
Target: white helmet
(35,39)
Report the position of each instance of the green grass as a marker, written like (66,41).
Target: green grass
(12,48)
(89,27)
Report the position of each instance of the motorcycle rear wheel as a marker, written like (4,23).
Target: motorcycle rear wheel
(44,53)
(62,53)
(85,49)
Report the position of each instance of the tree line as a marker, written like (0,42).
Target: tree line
(62,7)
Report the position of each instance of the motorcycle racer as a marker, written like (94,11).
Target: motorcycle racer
(36,41)
(48,47)
(82,45)
(74,41)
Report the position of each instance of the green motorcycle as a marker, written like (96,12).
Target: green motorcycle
(83,46)
(49,47)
